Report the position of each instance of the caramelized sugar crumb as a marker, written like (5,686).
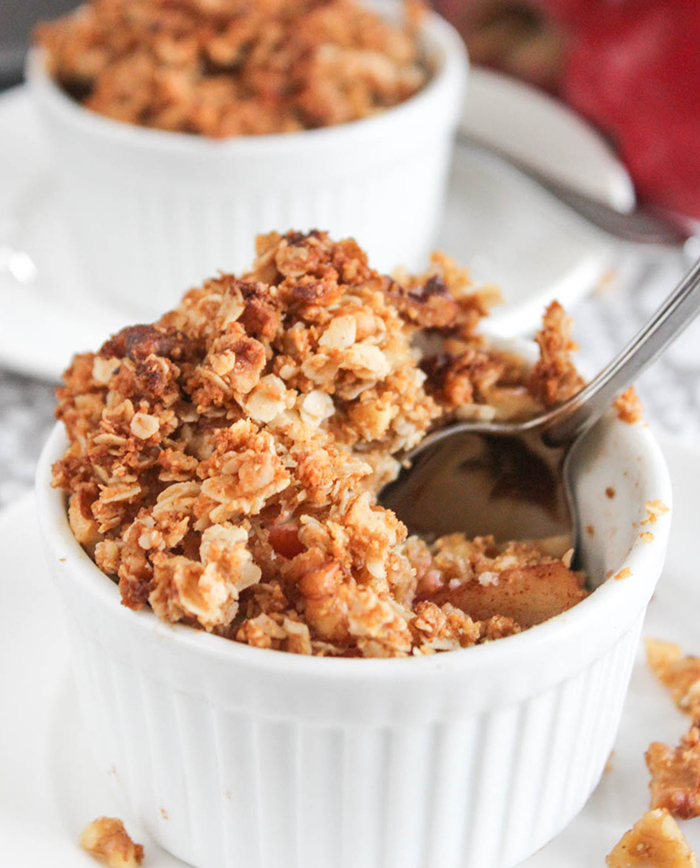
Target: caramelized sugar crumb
(107,840)
(629,407)
(224,462)
(227,68)
(655,841)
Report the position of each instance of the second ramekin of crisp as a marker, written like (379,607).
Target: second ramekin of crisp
(362,133)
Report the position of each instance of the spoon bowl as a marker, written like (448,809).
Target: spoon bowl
(512,479)
(502,480)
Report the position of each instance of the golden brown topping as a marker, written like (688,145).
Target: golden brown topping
(107,840)
(229,68)
(224,462)
(653,842)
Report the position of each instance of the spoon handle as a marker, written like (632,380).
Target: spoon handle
(640,226)
(585,408)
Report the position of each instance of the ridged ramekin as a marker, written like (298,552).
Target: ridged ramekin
(152,211)
(232,755)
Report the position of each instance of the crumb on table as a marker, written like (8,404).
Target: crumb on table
(107,840)
(655,841)
(675,775)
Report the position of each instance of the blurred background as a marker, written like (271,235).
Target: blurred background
(17,17)
(631,67)
(510,34)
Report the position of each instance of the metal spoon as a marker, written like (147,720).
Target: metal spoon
(512,480)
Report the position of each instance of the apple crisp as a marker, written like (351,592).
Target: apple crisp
(225,68)
(107,840)
(224,462)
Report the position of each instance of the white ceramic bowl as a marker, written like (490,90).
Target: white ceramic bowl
(152,211)
(232,755)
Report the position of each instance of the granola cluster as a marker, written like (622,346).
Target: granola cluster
(224,462)
(230,67)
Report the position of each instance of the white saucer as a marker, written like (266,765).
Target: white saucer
(504,226)
(49,788)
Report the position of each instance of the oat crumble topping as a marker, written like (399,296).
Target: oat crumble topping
(107,840)
(224,461)
(228,67)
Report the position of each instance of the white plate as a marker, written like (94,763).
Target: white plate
(49,788)
(542,132)
(510,231)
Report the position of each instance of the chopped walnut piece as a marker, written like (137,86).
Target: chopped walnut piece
(629,407)
(107,840)
(224,462)
(655,841)
(675,775)
(679,673)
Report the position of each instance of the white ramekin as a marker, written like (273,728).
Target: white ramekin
(232,755)
(151,212)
